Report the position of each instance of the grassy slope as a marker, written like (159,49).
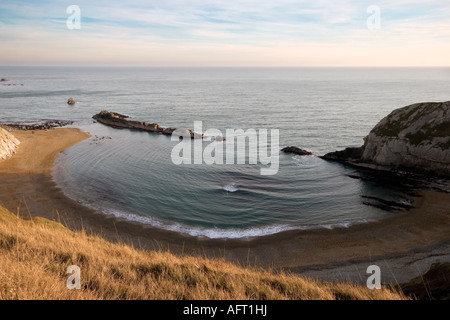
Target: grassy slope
(34,255)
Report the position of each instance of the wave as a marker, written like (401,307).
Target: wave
(306,161)
(217,233)
(231,187)
(212,233)
(345,224)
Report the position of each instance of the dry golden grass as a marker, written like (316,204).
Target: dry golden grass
(34,256)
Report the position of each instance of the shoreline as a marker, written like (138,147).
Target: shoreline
(27,189)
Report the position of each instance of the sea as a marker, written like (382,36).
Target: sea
(132,175)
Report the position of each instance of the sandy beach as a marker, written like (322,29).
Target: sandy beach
(403,244)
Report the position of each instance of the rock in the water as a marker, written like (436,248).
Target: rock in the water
(196,135)
(50,124)
(416,137)
(111,115)
(167,131)
(218,138)
(348,154)
(8,144)
(117,120)
(298,151)
(70,101)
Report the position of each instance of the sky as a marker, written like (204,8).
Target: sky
(321,33)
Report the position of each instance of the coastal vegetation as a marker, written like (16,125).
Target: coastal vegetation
(35,255)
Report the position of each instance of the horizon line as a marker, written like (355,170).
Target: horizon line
(216,66)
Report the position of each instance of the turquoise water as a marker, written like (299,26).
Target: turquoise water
(131,175)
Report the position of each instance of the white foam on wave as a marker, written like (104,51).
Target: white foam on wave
(217,233)
(344,224)
(309,161)
(231,187)
(406,202)
(212,233)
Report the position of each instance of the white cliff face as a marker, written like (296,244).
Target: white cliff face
(416,136)
(8,144)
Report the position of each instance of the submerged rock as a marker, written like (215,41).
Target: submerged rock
(387,205)
(297,151)
(415,137)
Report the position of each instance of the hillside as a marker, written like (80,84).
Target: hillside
(415,137)
(34,256)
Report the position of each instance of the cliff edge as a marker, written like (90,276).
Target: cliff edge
(8,144)
(415,137)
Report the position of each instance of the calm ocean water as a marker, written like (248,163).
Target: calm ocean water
(132,176)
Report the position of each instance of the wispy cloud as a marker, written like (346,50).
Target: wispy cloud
(248,32)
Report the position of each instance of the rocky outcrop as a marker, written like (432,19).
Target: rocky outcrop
(117,120)
(50,124)
(298,151)
(416,137)
(348,154)
(8,144)
(70,101)
(432,285)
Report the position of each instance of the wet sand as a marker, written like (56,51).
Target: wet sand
(403,244)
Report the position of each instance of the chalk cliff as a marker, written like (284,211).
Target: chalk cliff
(8,144)
(413,137)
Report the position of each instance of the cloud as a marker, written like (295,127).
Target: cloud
(223,32)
